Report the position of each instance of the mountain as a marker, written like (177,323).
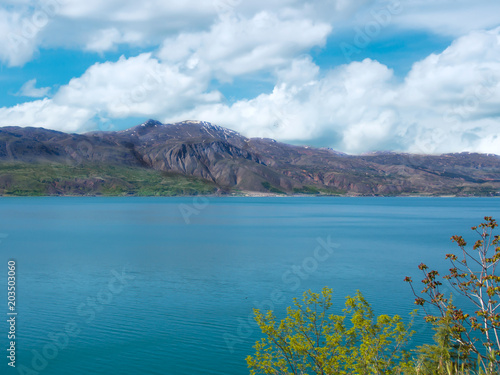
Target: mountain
(194,157)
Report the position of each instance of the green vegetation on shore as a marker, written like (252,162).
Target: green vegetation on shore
(23,179)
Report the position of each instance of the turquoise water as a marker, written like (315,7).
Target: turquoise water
(167,285)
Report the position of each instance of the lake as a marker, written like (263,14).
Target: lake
(167,285)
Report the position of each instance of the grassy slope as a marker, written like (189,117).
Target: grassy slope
(22,179)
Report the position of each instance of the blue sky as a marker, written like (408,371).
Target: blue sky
(358,76)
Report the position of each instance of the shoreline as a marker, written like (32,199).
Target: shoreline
(249,195)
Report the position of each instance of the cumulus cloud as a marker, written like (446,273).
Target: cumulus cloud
(93,25)
(48,114)
(352,104)
(108,39)
(29,89)
(19,38)
(447,102)
(236,46)
(100,26)
(137,86)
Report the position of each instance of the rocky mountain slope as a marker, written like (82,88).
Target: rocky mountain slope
(231,162)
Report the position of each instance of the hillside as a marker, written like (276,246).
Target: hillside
(200,158)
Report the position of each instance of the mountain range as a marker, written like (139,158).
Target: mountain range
(196,157)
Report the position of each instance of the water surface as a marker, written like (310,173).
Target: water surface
(193,269)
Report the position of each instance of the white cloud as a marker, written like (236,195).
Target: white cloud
(104,40)
(352,104)
(458,93)
(19,38)
(29,89)
(45,113)
(299,71)
(94,25)
(138,86)
(236,46)
(447,102)
(470,61)
(100,26)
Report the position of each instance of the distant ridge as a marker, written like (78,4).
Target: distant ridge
(210,155)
